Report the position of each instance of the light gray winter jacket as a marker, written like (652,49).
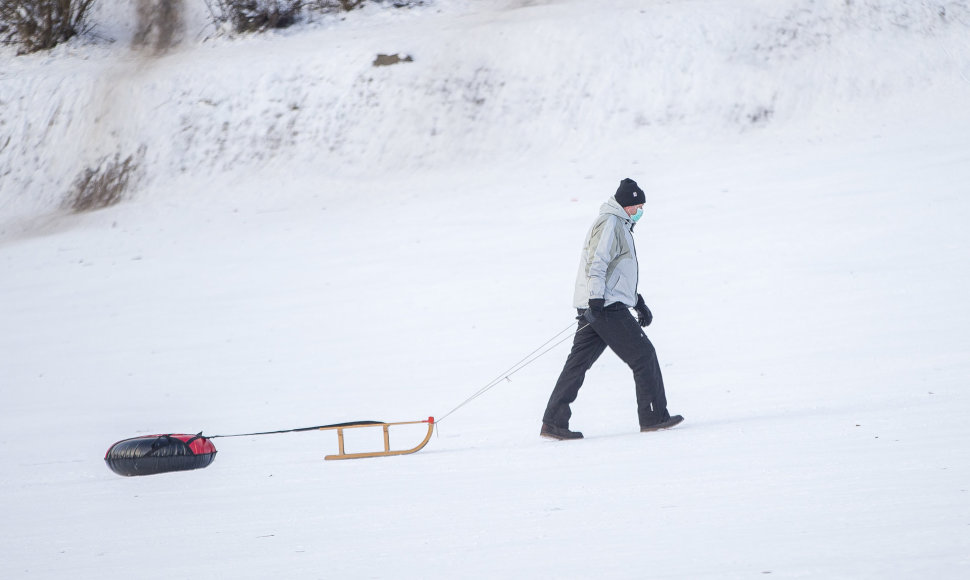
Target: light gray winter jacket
(608,267)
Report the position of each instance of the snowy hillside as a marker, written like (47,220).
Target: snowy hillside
(313,239)
(490,81)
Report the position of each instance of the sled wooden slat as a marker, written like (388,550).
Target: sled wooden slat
(342,454)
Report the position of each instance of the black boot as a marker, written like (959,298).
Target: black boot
(665,424)
(561,433)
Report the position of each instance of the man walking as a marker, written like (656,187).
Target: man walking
(606,288)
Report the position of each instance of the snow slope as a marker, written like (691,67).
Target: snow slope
(472,93)
(317,240)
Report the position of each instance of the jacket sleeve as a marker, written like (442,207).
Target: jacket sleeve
(599,253)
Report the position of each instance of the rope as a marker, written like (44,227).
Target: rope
(526,361)
(529,359)
(295,430)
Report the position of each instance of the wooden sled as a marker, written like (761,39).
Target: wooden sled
(341,454)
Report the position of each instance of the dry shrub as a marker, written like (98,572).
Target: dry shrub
(34,25)
(335,5)
(348,5)
(260,15)
(104,185)
(255,15)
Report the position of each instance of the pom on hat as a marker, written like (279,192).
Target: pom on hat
(629,193)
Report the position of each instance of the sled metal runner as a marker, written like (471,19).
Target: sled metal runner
(342,454)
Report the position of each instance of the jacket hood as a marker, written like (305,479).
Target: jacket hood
(613,207)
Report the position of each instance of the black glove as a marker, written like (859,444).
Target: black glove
(644,316)
(595,309)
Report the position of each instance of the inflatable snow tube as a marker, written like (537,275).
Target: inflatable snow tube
(153,454)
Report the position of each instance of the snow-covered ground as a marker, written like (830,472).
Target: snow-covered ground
(314,240)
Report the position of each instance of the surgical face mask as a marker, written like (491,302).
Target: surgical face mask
(636,217)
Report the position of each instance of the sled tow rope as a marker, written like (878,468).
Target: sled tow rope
(529,359)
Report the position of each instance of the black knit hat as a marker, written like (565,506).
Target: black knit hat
(629,193)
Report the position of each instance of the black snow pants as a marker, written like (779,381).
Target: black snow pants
(615,327)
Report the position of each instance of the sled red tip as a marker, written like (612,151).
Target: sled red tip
(430,420)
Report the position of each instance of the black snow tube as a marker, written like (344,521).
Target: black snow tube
(153,454)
